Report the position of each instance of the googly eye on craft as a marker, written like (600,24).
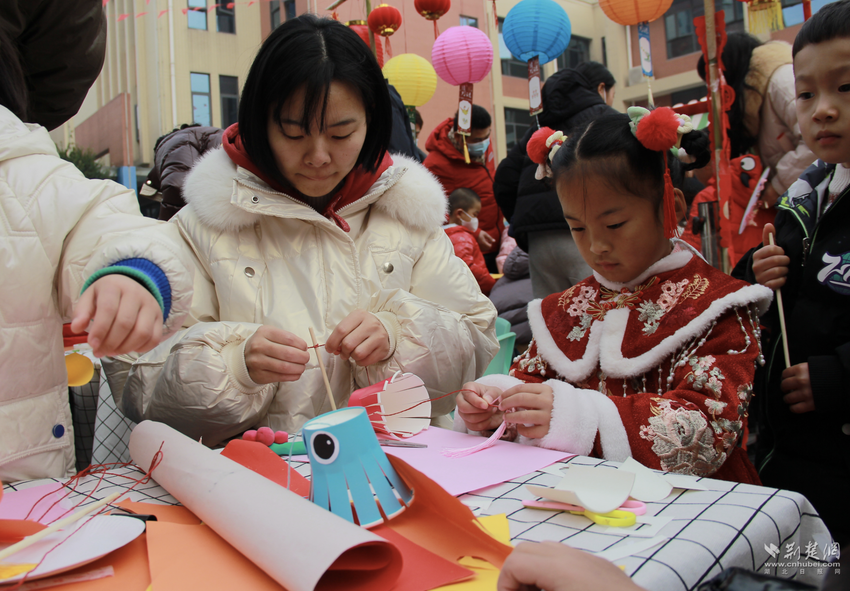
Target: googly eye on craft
(325,447)
(748,163)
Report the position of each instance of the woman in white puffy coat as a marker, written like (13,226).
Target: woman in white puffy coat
(303,220)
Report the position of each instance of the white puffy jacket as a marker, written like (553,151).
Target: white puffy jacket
(265,258)
(54,224)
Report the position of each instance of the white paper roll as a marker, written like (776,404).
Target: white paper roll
(294,541)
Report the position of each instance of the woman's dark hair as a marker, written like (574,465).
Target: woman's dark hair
(606,147)
(830,22)
(736,64)
(312,52)
(13,86)
(480,118)
(596,73)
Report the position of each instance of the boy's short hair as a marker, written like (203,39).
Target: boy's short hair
(830,22)
(480,118)
(463,198)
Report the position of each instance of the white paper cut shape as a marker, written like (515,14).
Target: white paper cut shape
(648,486)
(597,490)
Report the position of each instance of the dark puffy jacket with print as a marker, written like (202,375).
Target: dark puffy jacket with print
(530,205)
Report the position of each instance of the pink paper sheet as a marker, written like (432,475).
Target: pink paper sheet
(497,464)
(16,504)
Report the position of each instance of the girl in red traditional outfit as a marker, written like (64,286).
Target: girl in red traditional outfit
(653,356)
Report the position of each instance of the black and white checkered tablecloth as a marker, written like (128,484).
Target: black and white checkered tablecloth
(727,525)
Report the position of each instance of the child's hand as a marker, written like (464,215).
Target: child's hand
(361,337)
(557,567)
(533,404)
(798,388)
(485,241)
(124,316)
(770,264)
(474,405)
(275,355)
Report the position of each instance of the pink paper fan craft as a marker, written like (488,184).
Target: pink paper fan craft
(398,406)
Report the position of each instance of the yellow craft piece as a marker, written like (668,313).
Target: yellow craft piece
(7,571)
(80,369)
(486,575)
(614,518)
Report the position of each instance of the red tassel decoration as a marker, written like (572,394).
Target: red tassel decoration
(436,30)
(671,224)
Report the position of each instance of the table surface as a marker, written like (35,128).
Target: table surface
(730,524)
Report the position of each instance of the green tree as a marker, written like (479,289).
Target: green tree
(85,161)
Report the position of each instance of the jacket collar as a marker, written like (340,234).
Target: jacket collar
(227,197)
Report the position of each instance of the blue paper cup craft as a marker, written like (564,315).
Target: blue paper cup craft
(348,464)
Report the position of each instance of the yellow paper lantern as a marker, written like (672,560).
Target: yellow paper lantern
(413,77)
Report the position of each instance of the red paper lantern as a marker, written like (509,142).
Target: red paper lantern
(384,21)
(432,10)
(362,31)
(632,12)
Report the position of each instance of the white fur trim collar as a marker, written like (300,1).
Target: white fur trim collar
(216,189)
(605,340)
(675,260)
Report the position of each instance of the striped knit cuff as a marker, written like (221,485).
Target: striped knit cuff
(146,273)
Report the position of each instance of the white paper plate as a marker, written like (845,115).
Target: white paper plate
(94,539)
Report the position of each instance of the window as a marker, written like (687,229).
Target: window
(289,9)
(225,20)
(577,51)
(511,66)
(686,96)
(201,112)
(228,87)
(274,8)
(679,23)
(197,14)
(517,123)
(792,10)
(468,21)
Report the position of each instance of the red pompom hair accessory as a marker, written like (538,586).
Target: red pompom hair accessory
(661,130)
(542,147)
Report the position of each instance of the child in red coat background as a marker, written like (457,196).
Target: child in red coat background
(464,207)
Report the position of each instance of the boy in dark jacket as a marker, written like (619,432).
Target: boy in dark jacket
(464,207)
(804,434)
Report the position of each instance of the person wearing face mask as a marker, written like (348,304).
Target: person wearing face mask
(446,161)
(571,98)
(464,209)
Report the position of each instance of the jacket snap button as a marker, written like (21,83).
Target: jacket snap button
(255,199)
(249,271)
(845,428)
(387,268)
(58,431)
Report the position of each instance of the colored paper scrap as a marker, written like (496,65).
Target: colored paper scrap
(16,504)
(442,524)
(502,462)
(260,459)
(15,530)
(167,513)
(486,575)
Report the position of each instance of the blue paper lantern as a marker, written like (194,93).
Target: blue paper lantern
(537,28)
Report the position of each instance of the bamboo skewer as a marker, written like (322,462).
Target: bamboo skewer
(30,540)
(322,367)
(782,320)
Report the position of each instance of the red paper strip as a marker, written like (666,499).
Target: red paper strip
(259,458)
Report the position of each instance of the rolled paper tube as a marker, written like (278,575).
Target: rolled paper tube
(271,526)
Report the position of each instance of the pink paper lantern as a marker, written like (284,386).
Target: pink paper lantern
(462,55)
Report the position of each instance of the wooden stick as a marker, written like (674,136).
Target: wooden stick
(30,540)
(322,367)
(782,320)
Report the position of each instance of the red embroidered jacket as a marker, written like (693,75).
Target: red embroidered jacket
(661,371)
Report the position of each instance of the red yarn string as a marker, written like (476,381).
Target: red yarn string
(101,470)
